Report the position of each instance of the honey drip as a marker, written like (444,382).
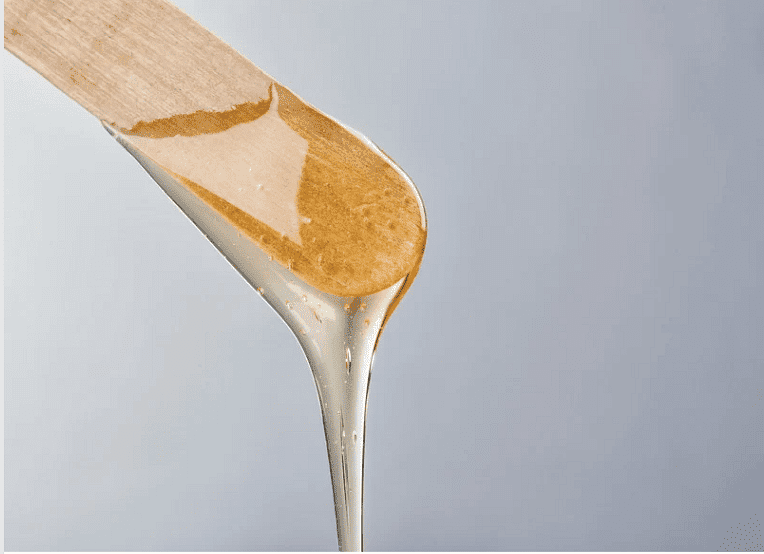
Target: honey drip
(338,334)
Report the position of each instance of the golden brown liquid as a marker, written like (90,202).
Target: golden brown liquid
(307,190)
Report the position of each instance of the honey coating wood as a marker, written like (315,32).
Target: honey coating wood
(359,221)
(334,211)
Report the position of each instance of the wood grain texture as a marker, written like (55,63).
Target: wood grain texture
(318,199)
(130,61)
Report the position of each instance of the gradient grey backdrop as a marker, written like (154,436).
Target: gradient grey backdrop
(579,365)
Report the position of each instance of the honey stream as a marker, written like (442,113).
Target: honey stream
(338,335)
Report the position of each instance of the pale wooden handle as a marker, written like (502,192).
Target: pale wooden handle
(127,61)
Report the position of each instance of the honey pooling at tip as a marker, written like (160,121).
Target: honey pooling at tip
(352,226)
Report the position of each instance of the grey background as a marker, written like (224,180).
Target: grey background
(579,365)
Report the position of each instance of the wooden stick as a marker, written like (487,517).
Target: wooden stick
(312,194)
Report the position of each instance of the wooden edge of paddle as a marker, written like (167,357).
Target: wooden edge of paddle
(319,199)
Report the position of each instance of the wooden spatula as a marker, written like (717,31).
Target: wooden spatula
(316,217)
(302,186)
